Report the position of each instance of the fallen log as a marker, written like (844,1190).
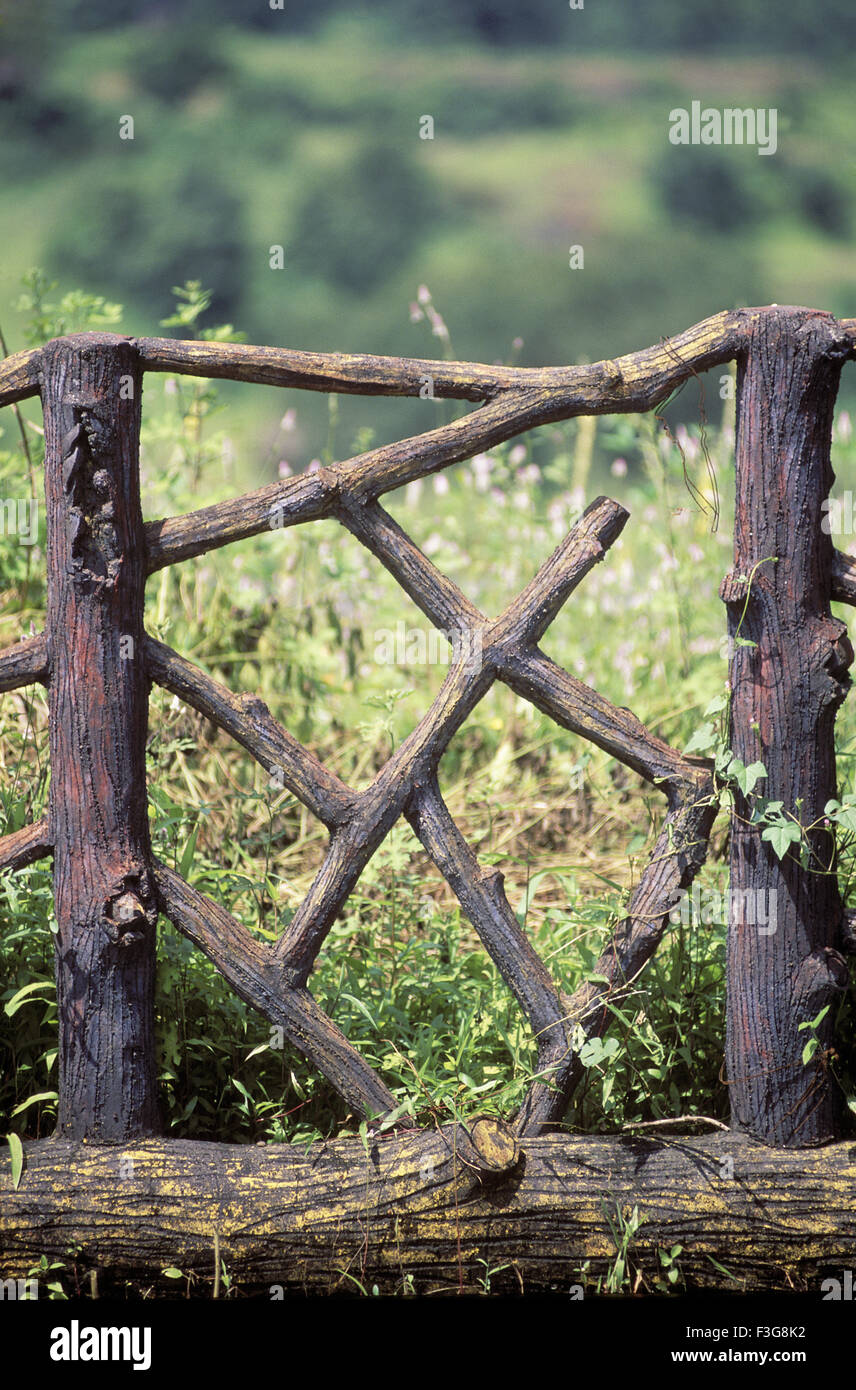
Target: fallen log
(435,1212)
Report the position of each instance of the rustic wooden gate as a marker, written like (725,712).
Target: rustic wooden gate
(788,676)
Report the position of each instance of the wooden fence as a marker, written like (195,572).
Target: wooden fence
(788,677)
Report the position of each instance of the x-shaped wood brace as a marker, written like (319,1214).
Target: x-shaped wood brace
(274,979)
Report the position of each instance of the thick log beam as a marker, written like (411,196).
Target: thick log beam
(424,1212)
(788,676)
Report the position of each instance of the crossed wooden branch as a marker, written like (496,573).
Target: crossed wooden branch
(273,979)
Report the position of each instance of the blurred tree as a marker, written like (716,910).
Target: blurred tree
(356,225)
(171,61)
(825,27)
(824,202)
(121,237)
(709,187)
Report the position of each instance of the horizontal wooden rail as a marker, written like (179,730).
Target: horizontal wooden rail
(20,376)
(843,578)
(634,381)
(25,846)
(25,663)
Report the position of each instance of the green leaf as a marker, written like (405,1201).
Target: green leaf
(239,1086)
(14,1004)
(816,1021)
(17,1154)
(781,837)
(172,1273)
(395,1115)
(704,737)
(188,852)
(595,1051)
(748,776)
(35,1100)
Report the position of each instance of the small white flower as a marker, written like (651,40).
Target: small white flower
(481,465)
(619,468)
(438,326)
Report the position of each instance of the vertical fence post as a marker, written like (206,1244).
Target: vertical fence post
(104,891)
(788,675)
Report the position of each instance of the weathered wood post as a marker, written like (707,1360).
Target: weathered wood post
(98,699)
(785,916)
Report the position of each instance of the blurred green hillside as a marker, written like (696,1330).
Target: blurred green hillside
(299,128)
